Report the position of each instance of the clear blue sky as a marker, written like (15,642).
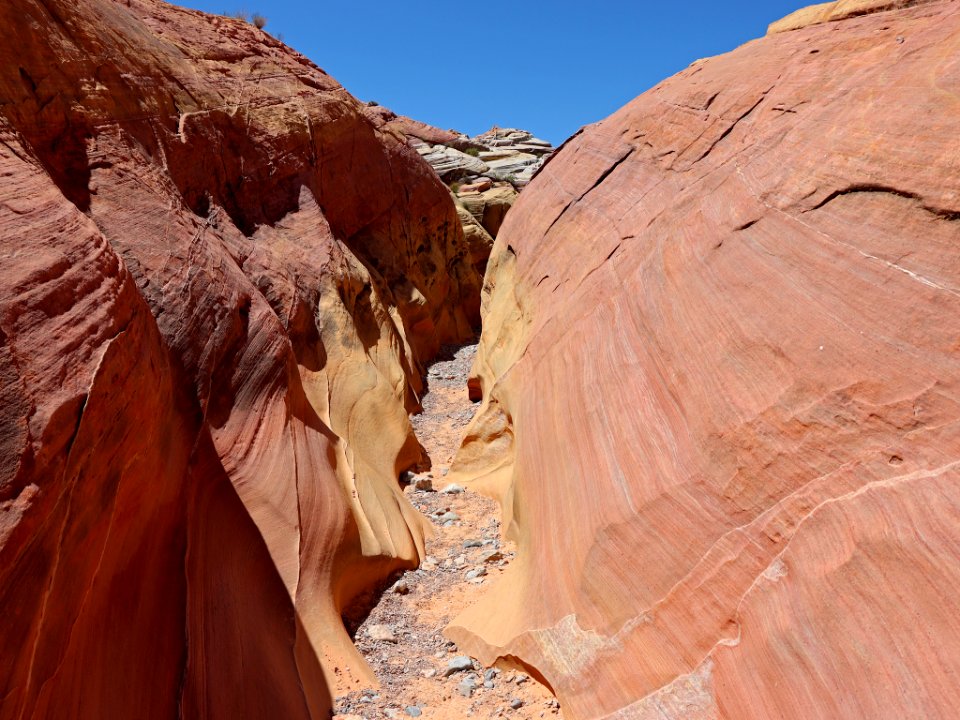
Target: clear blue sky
(545,66)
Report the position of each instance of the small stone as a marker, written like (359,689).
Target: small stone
(449,517)
(490,673)
(475,573)
(381,633)
(458,664)
(516,703)
(488,684)
(401,587)
(467,686)
(460,560)
(521,678)
(467,544)
(491,556)
(452,489)
(430,672)
(413,711)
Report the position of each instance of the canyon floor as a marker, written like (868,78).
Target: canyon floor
(399,631)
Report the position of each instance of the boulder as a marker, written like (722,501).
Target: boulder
(489,207)
(721,390)
(221,279)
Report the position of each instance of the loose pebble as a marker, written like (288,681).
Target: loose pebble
(458,664)
(381,633)
(467,686)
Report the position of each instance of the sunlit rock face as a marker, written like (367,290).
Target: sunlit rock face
(720,369)
(219,280)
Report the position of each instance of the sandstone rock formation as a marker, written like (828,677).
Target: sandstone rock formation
(220,279)
(488,203)
(507,155)
(485,173)
(721,389)
(838,10)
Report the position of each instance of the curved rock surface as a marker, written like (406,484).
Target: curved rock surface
(721,390)
(219,283)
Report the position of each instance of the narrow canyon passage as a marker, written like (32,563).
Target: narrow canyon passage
(421,673)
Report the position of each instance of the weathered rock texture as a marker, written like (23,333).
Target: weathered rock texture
(218,282)
(839,10)
(485,173)
(721,385)
(506,155)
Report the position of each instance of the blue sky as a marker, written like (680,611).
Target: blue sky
(545,66)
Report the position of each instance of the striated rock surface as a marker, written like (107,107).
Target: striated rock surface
(839,10)
(452,164)
(721,390)
(219,279)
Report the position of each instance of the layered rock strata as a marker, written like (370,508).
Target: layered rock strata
(505,155)
(721,389)
(220,280)
(485,183)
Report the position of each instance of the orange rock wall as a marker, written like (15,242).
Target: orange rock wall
(219,281)
(721,390)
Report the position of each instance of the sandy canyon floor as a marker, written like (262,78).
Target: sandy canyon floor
(401,636)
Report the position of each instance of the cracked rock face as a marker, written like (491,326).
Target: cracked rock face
(721,390)
(220,281)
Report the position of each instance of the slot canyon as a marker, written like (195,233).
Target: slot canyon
(311,410)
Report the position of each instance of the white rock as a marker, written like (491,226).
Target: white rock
(381,633)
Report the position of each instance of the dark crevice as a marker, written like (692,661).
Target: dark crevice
(603,176)
(746,225)
(607,173)
(734,124)
(943,213)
